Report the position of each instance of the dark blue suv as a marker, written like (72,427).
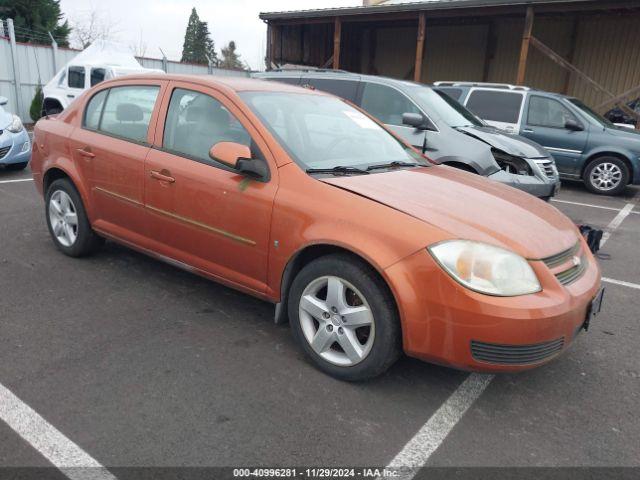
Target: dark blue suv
(585,145)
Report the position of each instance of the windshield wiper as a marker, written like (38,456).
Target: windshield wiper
(339,170)
(393,165)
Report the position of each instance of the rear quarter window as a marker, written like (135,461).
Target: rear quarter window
(346,89)
(496,106)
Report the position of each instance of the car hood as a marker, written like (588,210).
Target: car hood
(626,133)
(5,119)
(470,207)
(509,143)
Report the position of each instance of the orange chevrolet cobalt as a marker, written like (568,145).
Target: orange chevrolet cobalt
(299,198)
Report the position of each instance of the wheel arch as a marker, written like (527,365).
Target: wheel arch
(608,153)
(310,253)
(57,172)
(461,166)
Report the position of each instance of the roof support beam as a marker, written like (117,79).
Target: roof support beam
(422,26)
(579,73)
(524,50)
(572,53)
(337,37)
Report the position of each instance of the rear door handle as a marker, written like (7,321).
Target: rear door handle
(163,177)
(86,152)
(527,130)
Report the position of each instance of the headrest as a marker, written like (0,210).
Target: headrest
(207,114)
(129,112)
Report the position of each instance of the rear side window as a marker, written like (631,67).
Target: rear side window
(93,111)
(127,112)
(547,112)
(97,76)
(196,122)
(342,88)
(386,103)
(76,77)
(455,93)
(495,106)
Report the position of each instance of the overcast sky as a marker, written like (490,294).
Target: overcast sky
(162,23)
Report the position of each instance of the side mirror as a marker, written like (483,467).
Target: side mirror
(3,101)
(416,120)
(230,153)
(572,125)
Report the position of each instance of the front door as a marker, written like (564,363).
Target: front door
(110,148)
(545,123)
(203,213)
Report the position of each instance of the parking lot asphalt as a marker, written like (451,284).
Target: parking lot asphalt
(141,364)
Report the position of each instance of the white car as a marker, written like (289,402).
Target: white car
(98,62)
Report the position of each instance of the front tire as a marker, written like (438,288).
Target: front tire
(607,176)
(344,318)
(67,220)
(17,166)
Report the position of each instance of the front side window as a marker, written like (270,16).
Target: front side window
(547,112)
(591,114)
(386,103)
(495,106)
(127,112)
(76,77)
(325,132)
(440,105)
(97,75)
(196,122)
(93,112)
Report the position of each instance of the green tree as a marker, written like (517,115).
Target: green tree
(231,59)
(35,111)
(34,18)
(198,46)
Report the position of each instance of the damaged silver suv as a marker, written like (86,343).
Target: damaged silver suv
(447,132)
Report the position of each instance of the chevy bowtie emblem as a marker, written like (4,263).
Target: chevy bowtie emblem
(576,261)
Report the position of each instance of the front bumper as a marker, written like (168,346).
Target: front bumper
(537,185)
(441,319)
(19,147)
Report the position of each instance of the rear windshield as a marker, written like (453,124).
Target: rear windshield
(496,106)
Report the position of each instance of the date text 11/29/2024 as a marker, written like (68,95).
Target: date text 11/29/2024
(318,472)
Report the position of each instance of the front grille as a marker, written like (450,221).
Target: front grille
(562,257)
(575,272)
(548,167)
(515,354)
(4,151)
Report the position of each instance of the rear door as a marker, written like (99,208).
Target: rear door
(545,123)
(500,108)
(110,148)
(203,213)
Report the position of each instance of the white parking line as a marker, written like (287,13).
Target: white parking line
(418,450)
(620,282)
(68,457)
(615,223)
(590,205)
(16,180)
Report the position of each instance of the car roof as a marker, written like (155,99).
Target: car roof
(234,84)
(338,75)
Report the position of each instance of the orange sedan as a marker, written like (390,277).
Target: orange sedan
(299,198)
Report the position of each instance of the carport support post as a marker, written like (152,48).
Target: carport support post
(524,51)
(14,61)
(422,26)
(54,53)
(337,36)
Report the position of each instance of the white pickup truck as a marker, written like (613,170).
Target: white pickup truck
(98,62)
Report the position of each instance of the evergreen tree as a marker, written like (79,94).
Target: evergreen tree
(198,46)
(230,59)
(35,111)
(34,18)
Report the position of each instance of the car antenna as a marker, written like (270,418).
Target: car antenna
(424,143)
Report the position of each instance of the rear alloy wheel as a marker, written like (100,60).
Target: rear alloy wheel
(607,176)
(344,318)
(67,221)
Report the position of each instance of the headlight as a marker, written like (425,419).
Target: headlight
(16,125)
(486,269)
(511,164)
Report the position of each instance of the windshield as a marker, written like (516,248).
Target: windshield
(445,107)
(593,115)
(322,132)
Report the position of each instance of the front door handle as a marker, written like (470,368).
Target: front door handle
(86,152)
(163,176)
(527,130)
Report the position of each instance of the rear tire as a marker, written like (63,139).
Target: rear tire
(344,318)
(17,166)
(67,220)
(607,176)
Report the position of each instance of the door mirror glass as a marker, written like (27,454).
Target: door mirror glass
(230,153)
(573,125)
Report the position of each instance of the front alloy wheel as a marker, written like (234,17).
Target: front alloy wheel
(337,321)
